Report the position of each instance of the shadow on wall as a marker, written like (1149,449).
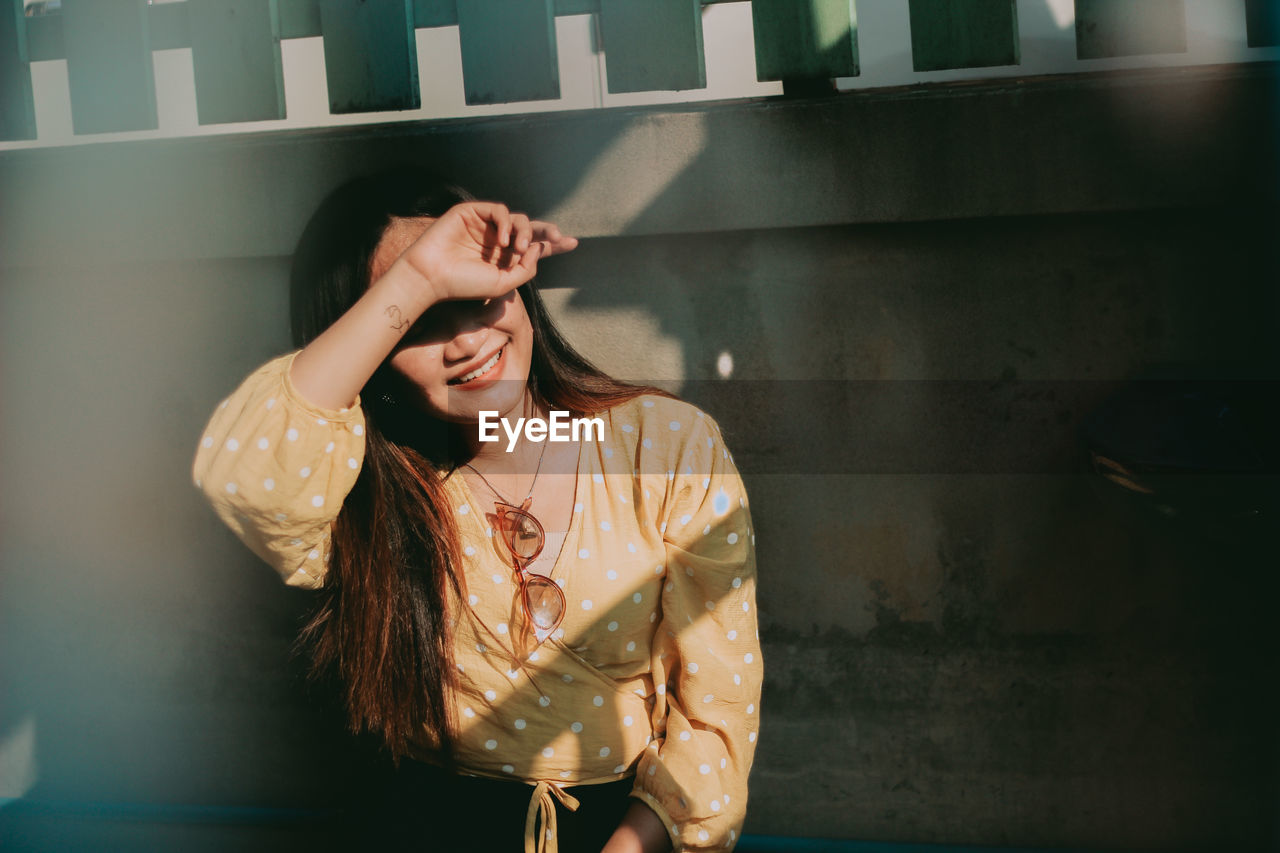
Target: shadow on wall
(964,632)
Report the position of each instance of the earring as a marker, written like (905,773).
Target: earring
(389,400)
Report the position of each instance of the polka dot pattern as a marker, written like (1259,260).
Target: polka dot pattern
(624,529)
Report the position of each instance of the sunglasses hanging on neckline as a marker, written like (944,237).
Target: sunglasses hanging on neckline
(541,598)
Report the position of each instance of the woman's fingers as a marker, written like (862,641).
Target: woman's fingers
(518,244)
(524,267)
(502,218)
(491,214)
(564,244)
(546,230)
(529,260)
(484,249)
(522,232)
(556,241)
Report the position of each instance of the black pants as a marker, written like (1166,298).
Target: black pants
(424,808)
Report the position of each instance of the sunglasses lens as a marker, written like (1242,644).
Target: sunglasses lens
(545,602)
(523,534)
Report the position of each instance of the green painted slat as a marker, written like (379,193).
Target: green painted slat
(508,50)
(963,34)
(807,40)
(109,65)
(652,45)
(44,38)
(577,7)
(434,13)
(299,18)
(17,106)
(235,51)
(1262,19)
(1130,27)
(170,25)
(370,55)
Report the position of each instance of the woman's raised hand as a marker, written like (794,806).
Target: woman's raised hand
(482,250)
(475,250)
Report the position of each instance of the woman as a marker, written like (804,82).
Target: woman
(558,637)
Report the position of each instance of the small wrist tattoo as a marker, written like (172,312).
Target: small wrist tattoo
(398,321)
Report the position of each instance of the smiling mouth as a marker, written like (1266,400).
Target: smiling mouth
(481,370)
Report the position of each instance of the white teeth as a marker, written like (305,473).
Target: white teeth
(481,370)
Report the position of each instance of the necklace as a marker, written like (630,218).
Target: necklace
(528,498)
(540,597)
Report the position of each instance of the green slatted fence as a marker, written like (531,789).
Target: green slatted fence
(17,104)
(805,39)
(113,86)
(235,52)
(1262,20)
(370,55)
(1107,28)
(508,47)
(652,45)
(963,34)
(508,50)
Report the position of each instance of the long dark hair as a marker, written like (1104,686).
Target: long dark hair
(380,628)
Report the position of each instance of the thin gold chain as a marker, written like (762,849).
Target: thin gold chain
(499,495)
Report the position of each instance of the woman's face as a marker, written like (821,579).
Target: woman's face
(460,357)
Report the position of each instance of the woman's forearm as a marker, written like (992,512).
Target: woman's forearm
(331,370)
(641,831)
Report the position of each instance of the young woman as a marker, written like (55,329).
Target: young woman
(557,638)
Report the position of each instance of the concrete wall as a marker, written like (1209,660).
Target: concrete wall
(968,637)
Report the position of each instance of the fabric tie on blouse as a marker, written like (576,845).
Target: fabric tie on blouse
(541,803)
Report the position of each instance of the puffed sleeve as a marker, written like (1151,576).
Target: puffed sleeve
(277,468)
(706,653)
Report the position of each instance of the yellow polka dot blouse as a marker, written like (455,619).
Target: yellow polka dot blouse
(654,673)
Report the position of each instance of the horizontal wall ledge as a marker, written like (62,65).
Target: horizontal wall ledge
(1067,144)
